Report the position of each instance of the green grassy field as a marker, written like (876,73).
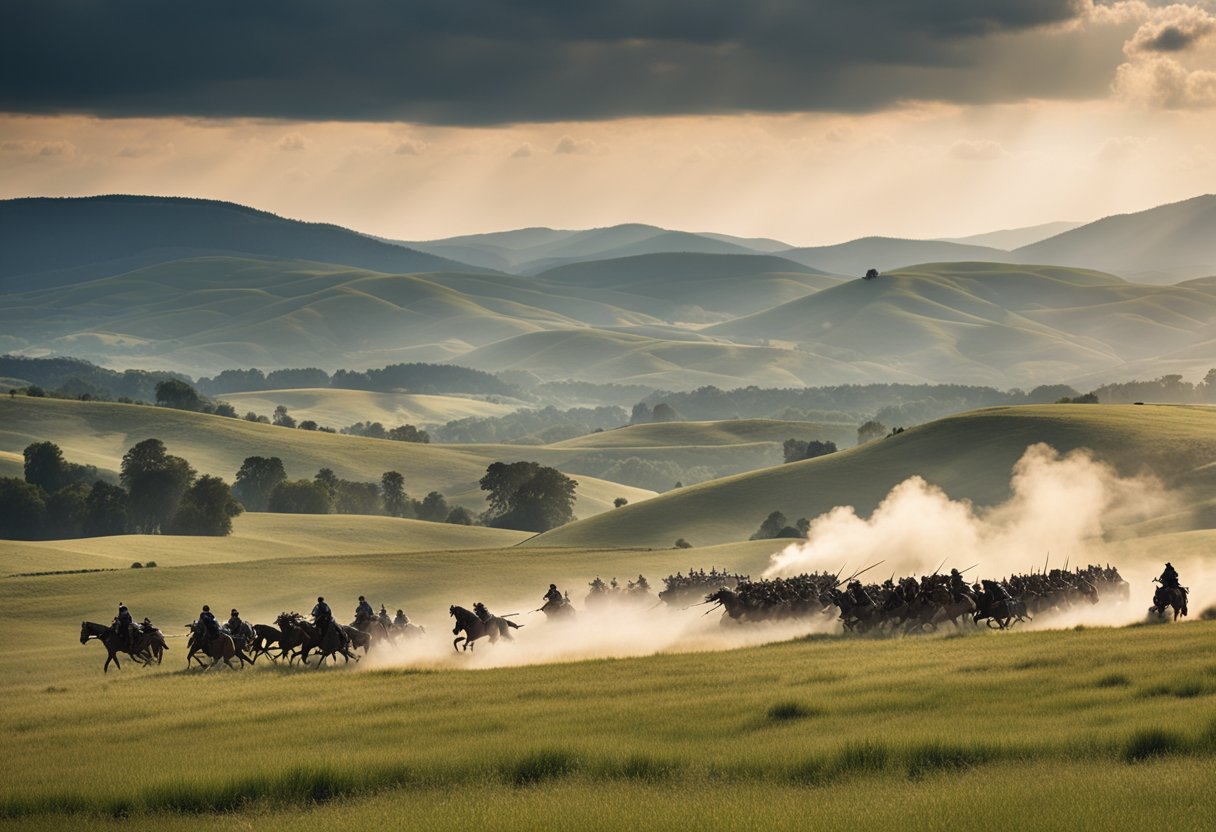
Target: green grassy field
(970,456)
(339,408)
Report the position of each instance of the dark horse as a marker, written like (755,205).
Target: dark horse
(139,651)
(474,628)
(1168,596)
(563,611)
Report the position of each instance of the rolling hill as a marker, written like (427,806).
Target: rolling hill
(58,242)
(97,433)
(856,257)
(992,324)
(970,456)
(1011,238)
(338,408)
(1161,245)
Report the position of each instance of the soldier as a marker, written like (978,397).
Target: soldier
(958,587)
(1169,577)
(385,621)
(401,620)
(211,627)
(364,611)
(859,595)
(643,584)
(553,596)
(235,625)
(479,609)
(123,625)
(322,615)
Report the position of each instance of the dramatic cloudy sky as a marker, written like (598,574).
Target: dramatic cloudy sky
(809,120)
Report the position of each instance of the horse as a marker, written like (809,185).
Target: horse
(220,648)
(474,628)
(949,608)
(1001,614)
(306,635)
(113,644)
(561,611)
(263,637)
(1168,596)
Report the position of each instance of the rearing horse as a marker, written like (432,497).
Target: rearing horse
(1169,596)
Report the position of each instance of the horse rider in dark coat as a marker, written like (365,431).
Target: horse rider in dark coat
(364,611)
(1169,577)
(122,625)
(385,621)
(211,627)
(401,620)
(958,586)
(479,609)
(553,596)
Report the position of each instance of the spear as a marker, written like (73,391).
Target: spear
(968,569)
(940,565)
(1045,561)
(1066,560)
(867,569)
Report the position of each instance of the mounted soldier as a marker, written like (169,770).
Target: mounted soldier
(958,586)
(211,627)
(1169,577)
(402,620)
(479,609)
(364,611)
(122,625)
(385,621)
(860,597)
(553,596)
(235,625)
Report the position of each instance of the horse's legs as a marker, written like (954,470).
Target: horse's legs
(457,641)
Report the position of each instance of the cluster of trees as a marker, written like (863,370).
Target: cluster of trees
(1169,389)
(159,493)
(777,526)
(532,427)
(527,496)
(796,450)
(74,377)
(262,484)
(660,474)
(375,430)
(413,378)
(644,414)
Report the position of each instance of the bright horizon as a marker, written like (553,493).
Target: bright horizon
(937,125)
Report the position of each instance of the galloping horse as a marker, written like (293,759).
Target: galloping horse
(221,648)
(558,612)
(1168,596)
(113,644)
(474,628)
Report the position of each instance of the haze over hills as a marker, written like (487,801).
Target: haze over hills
(1011,238)
(58,242)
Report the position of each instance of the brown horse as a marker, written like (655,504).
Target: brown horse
(304,637)
(138,649)
(954,610)
(1168,596)
(221,648)
(474,628)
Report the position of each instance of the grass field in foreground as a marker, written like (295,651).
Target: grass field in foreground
(1066,729)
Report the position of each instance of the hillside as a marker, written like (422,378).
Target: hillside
(99,434)
(1161,245)
(1011,238)
(338,408)
(256,536)
(706,434)
(988,323)
(856,257)
(57,242)
(969,456)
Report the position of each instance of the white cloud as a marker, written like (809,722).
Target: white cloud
(977,150)
(411,147)
(570,146)
(292,142)
(1165,82)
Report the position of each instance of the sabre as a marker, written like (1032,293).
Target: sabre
(867,569)
(968,569)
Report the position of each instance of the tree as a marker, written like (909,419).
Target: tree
(300,497)
(256,479)
(22,509)
(641,414)
(46,468)
(207,508)
(408,433)
(106,511)
(178,394)
(536,498)
(307,424)
(460,516)
(281,419)
(65,511)
(433,508)
(155,482)
(620,502)
(681,543)
(358,498)
(771,527)
(663,412)
(392,493)
(226,410)
(795,450)
(872,429)
(871,274)
(327,479)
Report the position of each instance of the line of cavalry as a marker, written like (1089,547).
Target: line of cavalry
(906,606)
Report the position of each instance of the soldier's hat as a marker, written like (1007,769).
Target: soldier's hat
(361,598)
(206,608)
(1167,563)
(319,598)
(552,586)
(234,612)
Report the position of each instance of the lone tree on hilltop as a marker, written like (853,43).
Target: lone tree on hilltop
(871,274)
(177,394)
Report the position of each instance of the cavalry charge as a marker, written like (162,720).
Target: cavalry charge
(905,606)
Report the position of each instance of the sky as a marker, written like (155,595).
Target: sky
(812,122)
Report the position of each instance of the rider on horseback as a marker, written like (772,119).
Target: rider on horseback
(235,625)
(958,586)
(479,609)
(385,621)
(323,619)
(401,620)
(364,611)
(122,625)
(859,595)
(1169,578)
(206,618)
(553,596)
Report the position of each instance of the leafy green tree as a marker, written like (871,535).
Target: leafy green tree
(301,497)
(46,468)
(502,480)
(256,479)
(226,410)
(327,479)
(207,508)
(66,510)
(460,516)
(771,527)
(282,419)
(663,412)
(872,429)
(681,543)
(358,498)
(408,433)
(433,508)
(178,394)
(106,511)
(307,424)
(528,496)
(22,509)
(155,482)
(620,502)
(392,492)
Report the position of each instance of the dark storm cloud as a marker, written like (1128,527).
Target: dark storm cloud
(491,61)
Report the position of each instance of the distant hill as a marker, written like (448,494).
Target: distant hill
(1161,245)
(1011,238)
(856,257)
(970,456)
(58,242)
(989,323)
